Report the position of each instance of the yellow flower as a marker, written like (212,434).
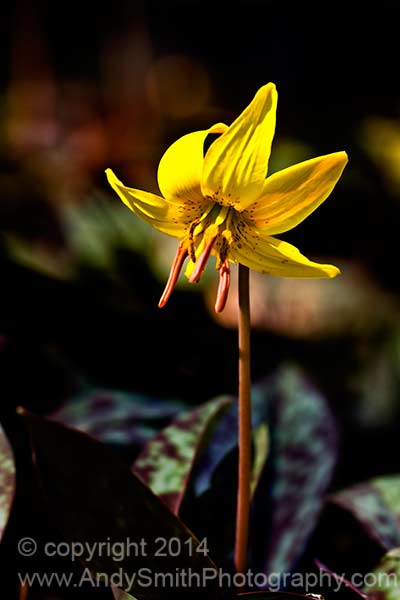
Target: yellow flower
(221,202)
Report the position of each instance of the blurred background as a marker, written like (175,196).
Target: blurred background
(86,86)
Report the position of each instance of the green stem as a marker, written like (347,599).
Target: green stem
(244,474)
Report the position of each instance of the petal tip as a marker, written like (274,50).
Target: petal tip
(333,271)
(343,156)
(217,128)
(112,178)
(268,86)
(267,90)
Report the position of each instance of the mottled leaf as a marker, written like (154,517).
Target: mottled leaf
(94,497)
(7,480)
(376,505)
(166,463)
(304,453)
(384,581)
(117,417)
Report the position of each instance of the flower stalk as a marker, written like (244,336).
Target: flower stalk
(244,469)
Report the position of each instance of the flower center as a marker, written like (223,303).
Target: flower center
(205,234)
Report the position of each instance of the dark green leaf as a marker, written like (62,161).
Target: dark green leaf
(94,498)
(376,505)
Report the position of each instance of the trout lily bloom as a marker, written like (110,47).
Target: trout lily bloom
(219,201)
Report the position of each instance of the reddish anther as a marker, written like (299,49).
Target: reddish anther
(201,261)
(223,286)
(173,274)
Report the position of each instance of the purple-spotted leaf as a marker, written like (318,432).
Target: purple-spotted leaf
(117,417)
(304,446)
(376,505)
(384,581)
(94,498)
(7,480)
(166,463)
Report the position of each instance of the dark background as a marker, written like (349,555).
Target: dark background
(335,66)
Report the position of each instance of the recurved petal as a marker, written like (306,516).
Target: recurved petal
(275,257)
(151,208)
(290,195)
(235,165)
(180,168)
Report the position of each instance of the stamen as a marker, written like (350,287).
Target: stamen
(202,260)
(223,252)
(173,274)
(192,250)
(223,286)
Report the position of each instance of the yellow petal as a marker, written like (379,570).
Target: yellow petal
(290,195)
(180,168)
(236,164)
(275,257)
(151,208)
